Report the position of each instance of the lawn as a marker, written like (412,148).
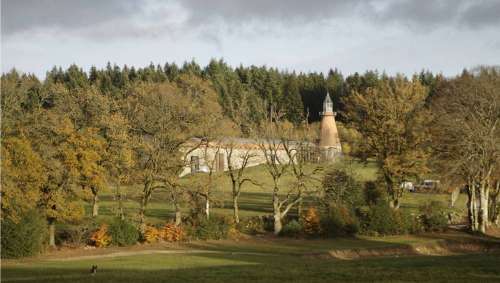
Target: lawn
(254,200)
(263,260)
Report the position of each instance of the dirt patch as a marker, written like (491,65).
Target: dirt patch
(439,248)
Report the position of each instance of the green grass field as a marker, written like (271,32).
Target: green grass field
(254,200)
(260,258)
(263,260)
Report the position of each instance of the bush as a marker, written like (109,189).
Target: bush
(311,222)
(372,193)
(252,225)
(173,233)
(100,238)
(75,235)
(434,216)
(381,219)
(292,229)
(215,228)
(412,223)
(339,221)
(152,234)
(25,237)
(340,187)
(123,233)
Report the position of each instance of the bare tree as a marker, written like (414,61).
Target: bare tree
(237,163)
(277,163)
(466,137)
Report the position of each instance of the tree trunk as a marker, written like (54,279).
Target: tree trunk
(483,205)
(207,207)
(393,193)
(52,233)
(235,209)
(119,198)
(276,214)
(142,211)
(493,204)
(277,223)
(472,207)
(178,215)
(95,205)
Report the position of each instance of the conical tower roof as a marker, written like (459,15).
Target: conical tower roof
(329,135)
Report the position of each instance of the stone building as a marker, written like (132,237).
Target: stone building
(212,156)
(329,142)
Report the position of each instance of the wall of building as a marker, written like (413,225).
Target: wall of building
(207,158)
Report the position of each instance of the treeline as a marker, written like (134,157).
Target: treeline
(296,94)
(66,138)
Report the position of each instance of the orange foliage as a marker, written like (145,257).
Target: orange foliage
(311,222)
(100,238)
(172,233)
(152,234)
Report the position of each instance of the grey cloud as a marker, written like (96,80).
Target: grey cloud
(417,14)
(274,11)
(424,13)
(482,13)
(109,19)
(24,15)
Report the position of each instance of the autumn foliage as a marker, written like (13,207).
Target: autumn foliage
(172,233)
(101,238)
(311,222)
(152,234)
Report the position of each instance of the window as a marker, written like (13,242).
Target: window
(195,164)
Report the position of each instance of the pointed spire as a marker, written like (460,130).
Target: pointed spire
(327,104)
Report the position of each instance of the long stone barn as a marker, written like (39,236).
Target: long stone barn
(212,156)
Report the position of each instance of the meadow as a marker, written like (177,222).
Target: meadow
(265,258)
(254,200)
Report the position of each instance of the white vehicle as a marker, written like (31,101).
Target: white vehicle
(407,186)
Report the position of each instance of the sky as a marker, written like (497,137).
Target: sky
(392,36)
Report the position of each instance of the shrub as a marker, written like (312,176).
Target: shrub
(252,225)
(339,221)
(173,233)
(215,228)
(413,223)
(123,233)
(292,229)
(434,216)
(152,234)
(381,219)
(311,222)
(372,193)
(25,237)
(75,235)
(340,187)
(100,238)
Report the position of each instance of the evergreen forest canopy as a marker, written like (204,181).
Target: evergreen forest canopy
(125,126)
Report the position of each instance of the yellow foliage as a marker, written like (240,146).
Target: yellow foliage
(173,233)
(100,238)
(20,187)
(312,222)
(152,234)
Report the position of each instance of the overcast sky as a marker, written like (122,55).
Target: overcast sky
(389,35)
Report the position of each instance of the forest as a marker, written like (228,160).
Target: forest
(76,133)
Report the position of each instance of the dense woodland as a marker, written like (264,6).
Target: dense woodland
(117,126)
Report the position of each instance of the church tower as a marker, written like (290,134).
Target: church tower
(329,142)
